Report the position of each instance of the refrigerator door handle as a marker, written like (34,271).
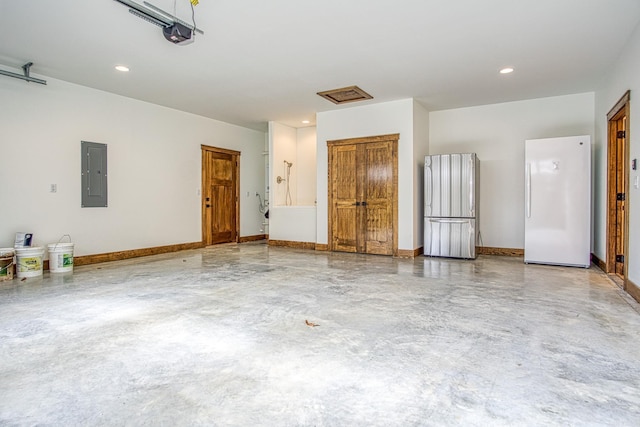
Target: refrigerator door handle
(471,184)
(428,183)
(528,189)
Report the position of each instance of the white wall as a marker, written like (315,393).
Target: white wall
(293,223)
(625,76)
(420,149)
(370,120)
(297,146)
(283,146)
(154,168)
(305,167)
(497,133)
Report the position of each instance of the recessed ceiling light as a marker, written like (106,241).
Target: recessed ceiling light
(306,122)
(122,68)
(506,70)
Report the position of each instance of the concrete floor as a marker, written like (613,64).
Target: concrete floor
(218,337)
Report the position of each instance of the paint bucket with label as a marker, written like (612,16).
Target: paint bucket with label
(6,264)
(61,256)
(29,261)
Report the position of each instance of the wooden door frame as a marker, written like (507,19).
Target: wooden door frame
(622,108)
(394,138)
(206,233)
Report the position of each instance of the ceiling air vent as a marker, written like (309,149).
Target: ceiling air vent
(346,94)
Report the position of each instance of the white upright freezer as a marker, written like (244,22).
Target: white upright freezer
(558,201)
(450,205)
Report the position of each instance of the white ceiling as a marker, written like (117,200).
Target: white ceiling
(265,60)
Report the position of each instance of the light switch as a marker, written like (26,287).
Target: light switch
(54,188)
(636,182)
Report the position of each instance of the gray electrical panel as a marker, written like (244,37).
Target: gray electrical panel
(94,174)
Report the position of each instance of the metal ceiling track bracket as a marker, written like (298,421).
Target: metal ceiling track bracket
(175,19)
(25,68)
(155,15)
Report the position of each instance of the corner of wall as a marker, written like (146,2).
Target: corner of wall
(420,149)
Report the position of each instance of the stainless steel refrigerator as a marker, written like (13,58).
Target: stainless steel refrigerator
(557,227)
(451,205)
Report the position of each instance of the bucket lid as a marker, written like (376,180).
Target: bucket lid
(6,252)
(53,246)
(29,249)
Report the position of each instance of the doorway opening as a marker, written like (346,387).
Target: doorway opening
(617,191)
(220,195)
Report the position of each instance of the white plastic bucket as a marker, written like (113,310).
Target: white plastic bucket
(60,257)
(6,264)
(29,261)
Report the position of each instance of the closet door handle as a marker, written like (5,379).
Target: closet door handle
(364,203)
(356,204)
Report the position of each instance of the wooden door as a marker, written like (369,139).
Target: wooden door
(617,214)
(220,172)
(363,195)
(344,214)
(377,198)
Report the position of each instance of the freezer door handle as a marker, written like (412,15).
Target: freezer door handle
(528,189)
(449,221)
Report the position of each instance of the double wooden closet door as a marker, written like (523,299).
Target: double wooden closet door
(363,200)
